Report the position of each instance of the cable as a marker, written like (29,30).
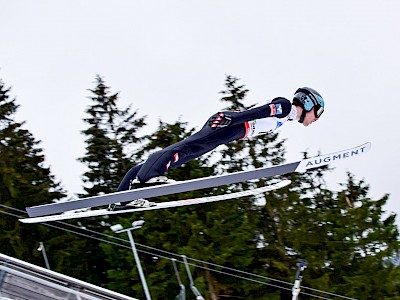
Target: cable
(173,254)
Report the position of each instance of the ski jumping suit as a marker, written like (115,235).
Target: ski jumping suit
(256,121)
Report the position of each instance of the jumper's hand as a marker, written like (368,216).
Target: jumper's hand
(219,120)
(282,107)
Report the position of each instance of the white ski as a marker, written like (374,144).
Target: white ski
(162,205)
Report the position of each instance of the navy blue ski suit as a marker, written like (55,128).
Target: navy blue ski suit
(204,141)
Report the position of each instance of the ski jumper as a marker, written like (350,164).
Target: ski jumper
(256,121)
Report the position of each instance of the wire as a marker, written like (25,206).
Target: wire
(173,254)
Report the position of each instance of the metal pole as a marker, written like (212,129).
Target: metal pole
(192,287)
(141,274)
(182,295)
(301,264)
(46,261)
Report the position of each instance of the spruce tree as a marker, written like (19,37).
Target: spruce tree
(169,230)
(344,236)
(291,223)
(256,152)
(370,238)
(111,133)
(24,181)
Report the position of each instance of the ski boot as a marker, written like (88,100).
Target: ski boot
(133,204)
(136,184)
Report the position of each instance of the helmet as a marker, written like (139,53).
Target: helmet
(309,98)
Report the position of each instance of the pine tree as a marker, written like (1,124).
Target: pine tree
(371,239)
(111,132)
(165,229)
(24,181)
(344,242)
(292,225)
(257,152)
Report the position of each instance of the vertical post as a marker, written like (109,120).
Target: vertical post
(192,287)
(182,295)
(43,250)
(139,266)
(301,265)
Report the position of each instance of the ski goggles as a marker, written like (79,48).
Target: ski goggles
(318,110)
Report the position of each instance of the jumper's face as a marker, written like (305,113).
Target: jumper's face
(310,117)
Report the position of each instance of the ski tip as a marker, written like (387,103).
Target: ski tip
(324,160)
(24,220)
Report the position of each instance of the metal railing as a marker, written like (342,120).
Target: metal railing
(22,280)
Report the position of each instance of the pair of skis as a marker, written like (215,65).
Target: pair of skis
(169,204)
(56,211)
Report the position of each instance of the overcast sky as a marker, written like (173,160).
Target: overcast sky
(169,59)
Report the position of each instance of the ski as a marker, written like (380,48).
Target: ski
(162,205)
(197,184)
